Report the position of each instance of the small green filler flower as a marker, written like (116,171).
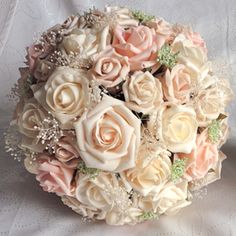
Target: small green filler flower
(214,131)
(141,16)
(166,57)
(92,172)
(178,168)
(148,215)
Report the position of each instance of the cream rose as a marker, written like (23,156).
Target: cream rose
(29,118)
(142,92)
(193,57)
(152,170)
(179,128)
(176,84)
(212,99)
(122,16)
(65,94)
(172,198)
(109,68)
(108,136)
(84,210)
(86,42)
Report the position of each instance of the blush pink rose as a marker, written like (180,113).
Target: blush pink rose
(197,40)
(164,30)
(110,68)
(139,44)
(54,176)
(176,84)
(202,158)
(66,151)
(35,52)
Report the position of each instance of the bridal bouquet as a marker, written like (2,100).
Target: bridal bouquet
(120,114)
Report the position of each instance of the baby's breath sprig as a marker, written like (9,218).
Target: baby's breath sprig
(148,215)
(141,16)
(178,168)
(12,143)
(166,57)
(91,172)
(49,133)
(214,131)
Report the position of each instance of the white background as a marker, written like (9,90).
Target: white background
(25,209)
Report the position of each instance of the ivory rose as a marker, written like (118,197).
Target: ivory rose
(142,92)
(109,68)
(212,99)
(147,177)
(139,44)
(54,176)
(201,159)
(66,151)
(179,128)
(176,84)
(86,42)
(192,57)
(172,198)
(30,118)
(108,136)
(122,16)
(65,94)
(84,210)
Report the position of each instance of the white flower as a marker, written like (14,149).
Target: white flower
(65,94)
(84,210)
(179,128)
(172,198)
(142,92)
(86,42)
(193,57)
(211,99)
(108,136)
(152,170)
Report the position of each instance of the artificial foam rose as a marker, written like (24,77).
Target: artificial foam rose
(86,42)
(108,136)
(66,151)
(35,53)
(197,40)
(110,68)
(84,210)
(164,30)
(192,57)
(152,170)
(179,128)
(54,176)
(65,94)
(143,92)
(139,44)
(212,175)
(172,198)
(201,159)
(176,84)
(211,100)
(122,16)
(30,118)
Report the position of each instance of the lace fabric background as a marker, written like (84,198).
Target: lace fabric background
(25,209)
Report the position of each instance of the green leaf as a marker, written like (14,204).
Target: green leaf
(214,131)
(148,215)
(92,172)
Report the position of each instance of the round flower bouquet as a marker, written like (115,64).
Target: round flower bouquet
(120,114)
